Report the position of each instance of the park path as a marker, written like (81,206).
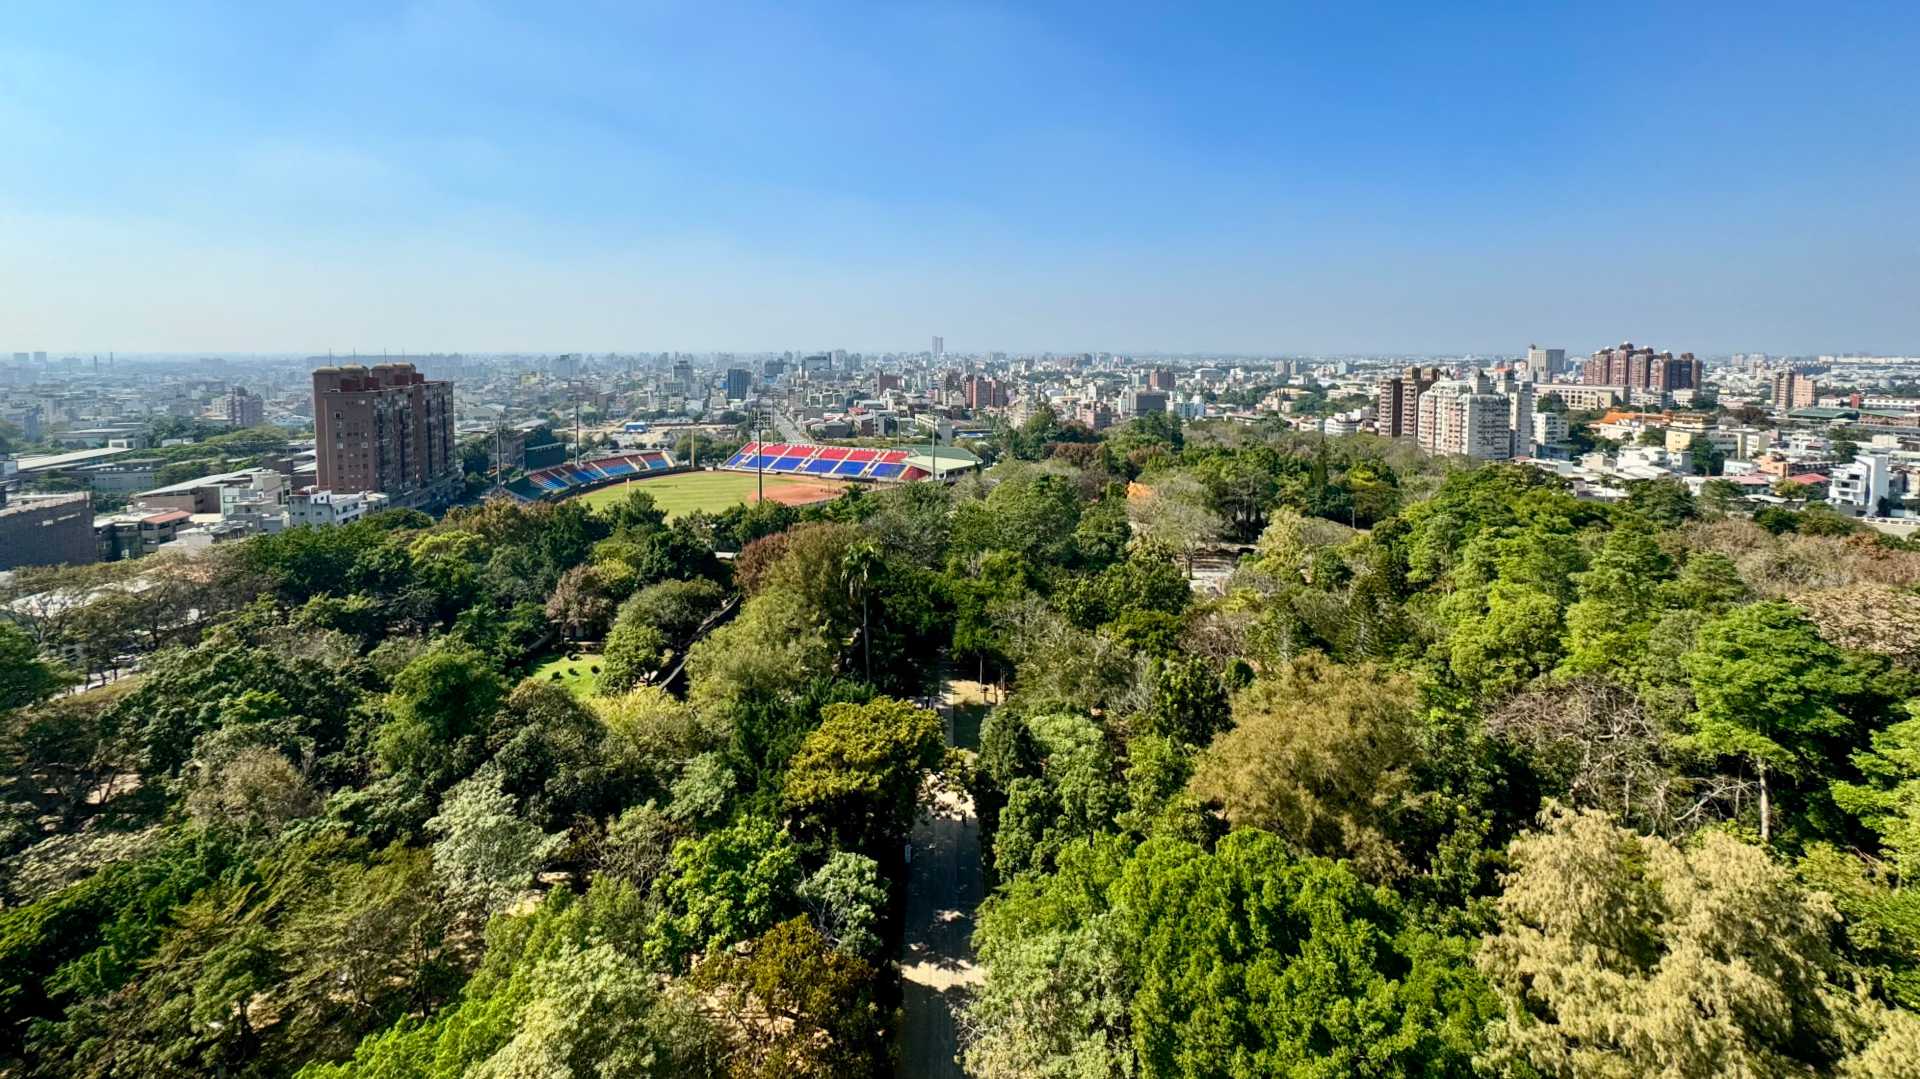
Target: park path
(944,886)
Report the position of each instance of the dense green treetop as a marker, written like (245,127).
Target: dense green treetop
(1453,773)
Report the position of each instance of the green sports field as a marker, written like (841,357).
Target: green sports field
(685,492)
(580,675)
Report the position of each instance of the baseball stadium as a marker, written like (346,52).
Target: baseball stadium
(796,473)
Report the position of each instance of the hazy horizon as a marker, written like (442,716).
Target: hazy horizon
(468,177)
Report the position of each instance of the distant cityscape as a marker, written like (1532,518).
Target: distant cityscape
(108,458)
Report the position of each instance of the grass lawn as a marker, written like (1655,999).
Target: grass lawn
(685,492)
(580,676)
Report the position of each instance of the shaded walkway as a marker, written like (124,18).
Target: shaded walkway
(944,885)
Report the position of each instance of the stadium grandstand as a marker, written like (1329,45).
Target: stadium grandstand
(848,463)
(567,478)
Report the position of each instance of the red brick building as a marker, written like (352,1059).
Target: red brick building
(1642,369)
(385,428)
(1397,412)
(985,393)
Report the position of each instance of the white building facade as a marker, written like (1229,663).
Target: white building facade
(1465,417)
(327,509)
(1861,483)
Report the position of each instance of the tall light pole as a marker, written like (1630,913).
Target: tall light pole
(933,476)
(573,384)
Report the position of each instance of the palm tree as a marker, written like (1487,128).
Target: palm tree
(857,565)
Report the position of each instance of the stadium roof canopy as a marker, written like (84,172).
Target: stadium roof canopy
(941,460)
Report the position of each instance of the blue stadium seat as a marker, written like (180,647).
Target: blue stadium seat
(788,464)
(849,468)
(820,466)
(887,471)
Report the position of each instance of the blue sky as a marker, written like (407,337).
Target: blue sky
(1257,178)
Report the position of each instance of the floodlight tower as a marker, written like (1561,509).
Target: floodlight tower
(577,387)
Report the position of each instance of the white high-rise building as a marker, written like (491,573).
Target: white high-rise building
(1520,418)
(1544,364)
(1465,417)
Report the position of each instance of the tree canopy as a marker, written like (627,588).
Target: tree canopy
(1285,755)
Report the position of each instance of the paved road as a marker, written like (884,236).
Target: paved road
(936,966)
(788,430)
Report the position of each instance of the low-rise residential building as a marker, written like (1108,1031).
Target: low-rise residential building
(1747,442)
(259,505)
(1138,402)
(329,508)
(138,532)
(1345,423)
(1862,484)
(1095,414)
(1550,428)
(120,477)
(1585,398)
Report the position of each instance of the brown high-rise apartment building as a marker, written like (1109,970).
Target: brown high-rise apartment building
(385,428)
(1792,390)
(1642,369)
(1397,413)
(244,409)
(985,393)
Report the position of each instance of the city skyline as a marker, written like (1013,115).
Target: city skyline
(959,539)
(494,177)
